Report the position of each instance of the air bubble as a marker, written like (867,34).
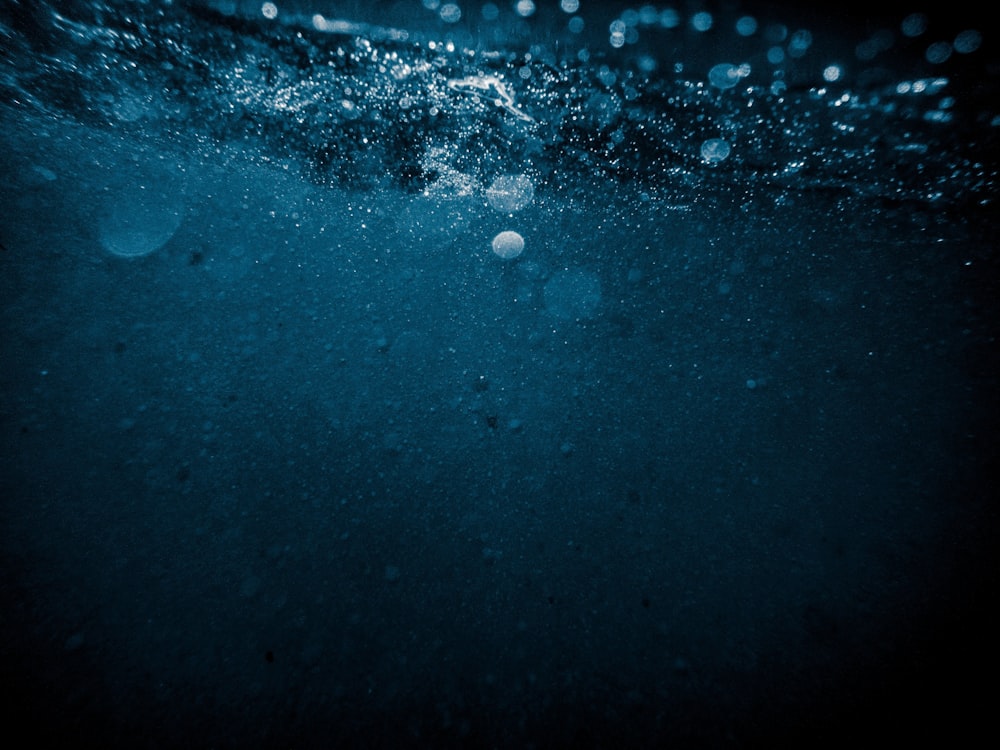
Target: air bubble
(727,75)
(715,150)
(968,41)
(510,193)
(137,222)
(508,245)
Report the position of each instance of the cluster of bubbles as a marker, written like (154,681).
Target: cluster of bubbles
(631,23)
(367,105)
(452,12)
(915,26)
(784,44)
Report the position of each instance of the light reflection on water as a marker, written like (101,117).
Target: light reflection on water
(359,100)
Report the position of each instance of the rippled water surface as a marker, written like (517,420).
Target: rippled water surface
(518,374)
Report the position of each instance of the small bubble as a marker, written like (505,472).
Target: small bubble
(832,73)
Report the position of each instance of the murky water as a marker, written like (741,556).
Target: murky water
(425,373)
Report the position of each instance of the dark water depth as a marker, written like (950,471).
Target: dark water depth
(421,374)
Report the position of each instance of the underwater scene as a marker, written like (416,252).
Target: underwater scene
(517,374)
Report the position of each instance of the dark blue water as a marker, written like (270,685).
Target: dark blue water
(420,374)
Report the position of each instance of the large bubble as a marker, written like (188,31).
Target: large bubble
(715,150)
(573,294)
(727,75)
(510,193)
(139,219)
(508,245)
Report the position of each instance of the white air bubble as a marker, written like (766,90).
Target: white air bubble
(508,245)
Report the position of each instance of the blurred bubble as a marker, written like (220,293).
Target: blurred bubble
(914,24)
(938,52)
(800,43)
(968,41)
(727,75)
(715,150)
(879,42)
(670,18)
(702,21)
(450,13)
(140,219)
(746,26)
(510,193)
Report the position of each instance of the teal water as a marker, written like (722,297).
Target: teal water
(376,377)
